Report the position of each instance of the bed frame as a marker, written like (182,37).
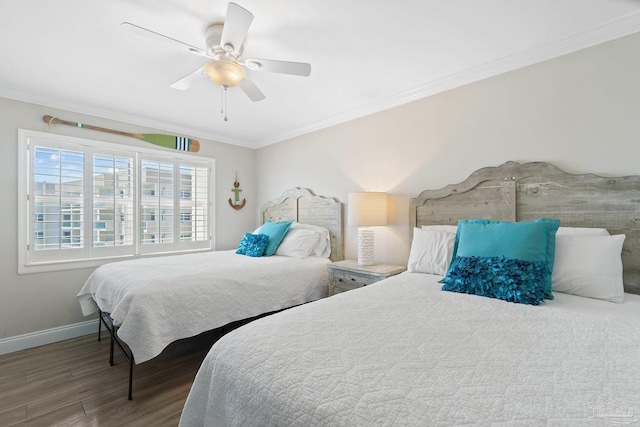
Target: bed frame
(525,192)
(297,204)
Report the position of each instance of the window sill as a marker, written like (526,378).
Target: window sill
(46,267)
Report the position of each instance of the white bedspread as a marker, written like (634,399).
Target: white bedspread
(403,353)
(156,301)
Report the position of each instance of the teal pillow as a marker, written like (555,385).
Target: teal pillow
(276,232)
(524,241)
(498,277)
(253,244)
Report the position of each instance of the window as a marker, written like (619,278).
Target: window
(89,201)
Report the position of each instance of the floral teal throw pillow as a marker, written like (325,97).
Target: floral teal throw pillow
(526,241)
(498,277)
(253,245)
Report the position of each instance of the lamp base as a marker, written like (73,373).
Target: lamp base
(365,246)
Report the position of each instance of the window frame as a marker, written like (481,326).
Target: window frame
(94,255)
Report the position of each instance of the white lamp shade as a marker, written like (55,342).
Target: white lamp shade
(367,209)
(224,73)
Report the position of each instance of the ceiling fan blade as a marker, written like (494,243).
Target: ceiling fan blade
(251,90)
(160,37)
(236,27)
(284,67)
(187,81)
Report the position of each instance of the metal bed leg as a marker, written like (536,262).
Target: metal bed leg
(127,355)
(113,331)
(99,324)
(131,377)
(111,348)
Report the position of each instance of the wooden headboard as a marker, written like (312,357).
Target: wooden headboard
(525,192)
(299,204)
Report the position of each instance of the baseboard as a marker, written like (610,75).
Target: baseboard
(48,336)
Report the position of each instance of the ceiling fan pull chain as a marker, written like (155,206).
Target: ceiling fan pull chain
(221,100)
(225,103)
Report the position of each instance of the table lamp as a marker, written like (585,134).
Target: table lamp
(367,210)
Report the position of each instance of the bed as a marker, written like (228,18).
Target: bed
(149,303)
(404,352)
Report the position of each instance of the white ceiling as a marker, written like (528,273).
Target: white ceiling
(366,56)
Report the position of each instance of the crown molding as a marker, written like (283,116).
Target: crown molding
(612,30)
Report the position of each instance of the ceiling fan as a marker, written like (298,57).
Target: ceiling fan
(224,47)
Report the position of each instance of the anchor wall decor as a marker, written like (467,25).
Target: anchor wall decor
(236,204)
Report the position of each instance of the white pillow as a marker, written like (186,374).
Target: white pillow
(581,231)
(323,247)
(589,266)
(449,228)
(431,251)
(298,243)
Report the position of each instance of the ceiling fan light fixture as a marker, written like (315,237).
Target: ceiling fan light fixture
(224,73)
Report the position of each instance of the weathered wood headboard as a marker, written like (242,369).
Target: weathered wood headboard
(299,204)
(525,192)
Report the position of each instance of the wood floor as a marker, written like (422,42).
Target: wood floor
(71,383)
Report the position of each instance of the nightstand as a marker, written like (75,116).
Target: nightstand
(347,275)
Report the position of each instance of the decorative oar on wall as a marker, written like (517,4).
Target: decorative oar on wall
(178,142)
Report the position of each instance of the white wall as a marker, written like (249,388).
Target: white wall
(580,112)
(36,302)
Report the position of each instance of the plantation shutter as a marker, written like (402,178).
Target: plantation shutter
(113,196)
(57,203)
(194,204)
(88,200)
